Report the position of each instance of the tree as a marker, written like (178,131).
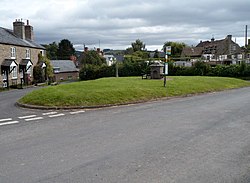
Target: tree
(92,57)
(156,54)
(138,45)
(51,50)
(49,68)
(176,48)
(65,50)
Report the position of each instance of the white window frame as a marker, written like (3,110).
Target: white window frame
(28,53)
(13,72)
(13,52)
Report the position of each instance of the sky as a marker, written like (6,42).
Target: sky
(115,24)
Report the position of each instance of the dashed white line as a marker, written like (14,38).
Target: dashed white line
(77,112)
(7,119)
(9,123)
(33,119)
(56,115)
(24,117)
(49,113)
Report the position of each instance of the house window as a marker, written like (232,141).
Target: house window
(13,52)
(42,52)
(240,56)
(27,53)
(56,70)
(13,72)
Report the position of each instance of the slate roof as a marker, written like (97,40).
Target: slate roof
(8,37)
(192,51)
(64,65)
(24,62)
(219,47)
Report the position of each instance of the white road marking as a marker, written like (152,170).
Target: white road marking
(77,112)
(24,117)
(49,113)
(34,119)
(56,115)
(9,123)
(7,119)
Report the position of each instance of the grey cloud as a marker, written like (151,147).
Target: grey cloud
(117,23)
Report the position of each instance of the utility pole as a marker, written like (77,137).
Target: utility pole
(245,56)
(246,37)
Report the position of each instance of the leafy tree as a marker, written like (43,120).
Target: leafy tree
(38,74)
(92,57)
(141,54)
(176,48)
(156,54)
(138,45)
(51,50)
(129,51)
(65,50)
(49,68)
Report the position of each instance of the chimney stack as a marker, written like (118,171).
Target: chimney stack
(229,37)
(18,28)
(86,49)
(29,34)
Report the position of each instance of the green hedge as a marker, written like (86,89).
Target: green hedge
(137,68)
(128,68)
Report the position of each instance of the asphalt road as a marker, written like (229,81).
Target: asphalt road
(197,139)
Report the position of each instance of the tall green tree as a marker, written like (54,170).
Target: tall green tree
(138,45)
(51,50)
(65,50)
(176,48)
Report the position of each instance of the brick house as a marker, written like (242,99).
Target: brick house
(18,55)
(64,70)
(224,51)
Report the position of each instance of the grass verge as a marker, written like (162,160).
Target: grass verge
(126,90)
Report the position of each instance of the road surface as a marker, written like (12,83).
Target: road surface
(204,138)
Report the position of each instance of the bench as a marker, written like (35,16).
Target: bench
(145,76)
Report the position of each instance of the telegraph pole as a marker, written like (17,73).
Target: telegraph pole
(246,37)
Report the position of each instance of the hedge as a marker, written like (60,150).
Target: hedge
(137,68)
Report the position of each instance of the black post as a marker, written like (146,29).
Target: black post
(7,77)
(24,80)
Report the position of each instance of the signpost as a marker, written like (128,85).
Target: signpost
(168,52)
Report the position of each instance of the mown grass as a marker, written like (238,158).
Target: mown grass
(125,90)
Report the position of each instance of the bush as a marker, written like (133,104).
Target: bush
(136,68)
(128,68)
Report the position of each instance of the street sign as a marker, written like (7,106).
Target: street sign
(168,50)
